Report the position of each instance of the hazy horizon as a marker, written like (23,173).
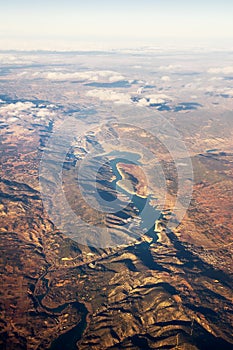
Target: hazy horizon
(74,24)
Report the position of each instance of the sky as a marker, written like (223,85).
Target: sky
(61,22)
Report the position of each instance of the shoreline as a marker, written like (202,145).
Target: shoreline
(122,174)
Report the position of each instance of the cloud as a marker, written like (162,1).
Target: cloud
(165,78)
(96,76)
(221,91)
(126,98)
(140,90)
(14,109)
(12,112)
(216,78)
(170,67)
(221,70)
(227,92)
(9,59)
(155,99)
(110,95)
(158,98)
(143,102)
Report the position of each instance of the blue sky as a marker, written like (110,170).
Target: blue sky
(115,20)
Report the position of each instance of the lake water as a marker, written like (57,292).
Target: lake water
(148,213)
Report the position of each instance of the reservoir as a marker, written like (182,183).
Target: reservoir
(147,213)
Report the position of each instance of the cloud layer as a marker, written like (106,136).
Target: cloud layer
(94,76)
(221,70)
(12,112)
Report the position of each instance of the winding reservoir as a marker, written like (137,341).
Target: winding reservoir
(148,213)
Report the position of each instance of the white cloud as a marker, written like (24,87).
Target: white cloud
(170,67)
(140,90)
(14,109)
(221,70)
(44,112)
(94,76)
(12,112)
(126,98)
(148,100)
(165,78)
(12,119)
(9,59)
(143,102)
(159,98)
(217,91)
(226,91)
(215,78)
(110,95)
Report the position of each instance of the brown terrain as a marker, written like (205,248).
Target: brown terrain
(175,293)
